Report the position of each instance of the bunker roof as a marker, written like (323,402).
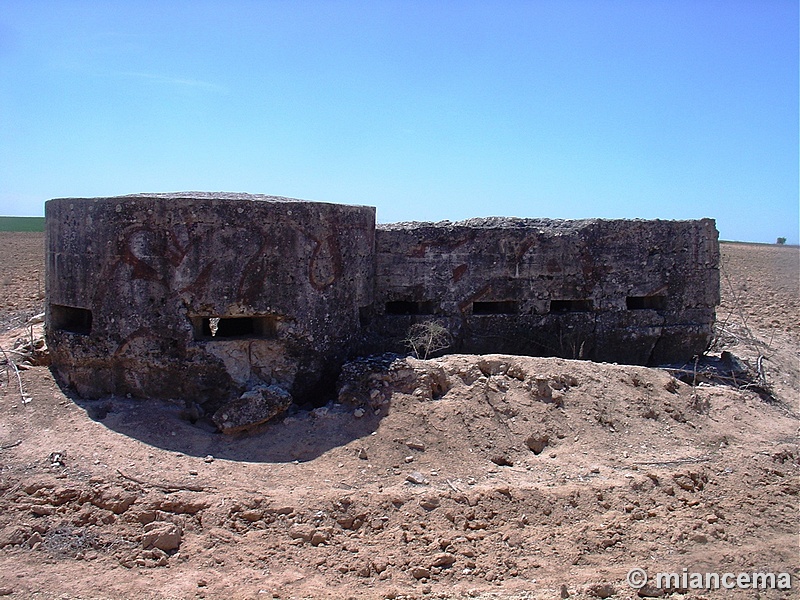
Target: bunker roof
(203,196)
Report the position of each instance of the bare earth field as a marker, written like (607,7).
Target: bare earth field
(467,476)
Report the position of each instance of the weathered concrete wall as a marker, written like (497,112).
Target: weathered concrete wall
(133,283)
(640,292)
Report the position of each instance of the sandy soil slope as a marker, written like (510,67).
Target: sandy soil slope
(466,476)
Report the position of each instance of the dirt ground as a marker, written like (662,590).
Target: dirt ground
(465,477)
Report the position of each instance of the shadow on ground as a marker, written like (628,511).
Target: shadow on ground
(302,436)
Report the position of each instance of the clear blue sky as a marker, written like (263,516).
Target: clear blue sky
(428,110)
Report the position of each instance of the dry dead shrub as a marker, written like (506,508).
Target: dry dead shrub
(424,339)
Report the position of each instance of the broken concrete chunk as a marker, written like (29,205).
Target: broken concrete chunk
(443,560)
(420,572)
(162,535)
(537,442)
(254,407)
(430,503)
(300,531)
(416,478)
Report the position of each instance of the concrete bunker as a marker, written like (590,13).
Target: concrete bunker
(237,301)
(204,296)
(628,291)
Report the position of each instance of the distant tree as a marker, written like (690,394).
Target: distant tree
(781,241)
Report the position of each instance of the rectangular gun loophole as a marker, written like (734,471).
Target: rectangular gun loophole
(215,328)
(568,306)
(71,319)
(502,307)
(646,302)
(411,307)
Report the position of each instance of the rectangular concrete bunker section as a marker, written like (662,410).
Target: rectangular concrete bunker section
(537,286)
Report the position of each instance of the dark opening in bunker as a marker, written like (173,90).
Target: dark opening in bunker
(365,315)
(503,307)
(410,307)
(567,306)
(71,319)
(214,328)
(646,302)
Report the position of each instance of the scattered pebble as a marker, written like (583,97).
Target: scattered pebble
(502,460)
(430,503)
(416,478)
(420,573)
(601,590)
(57,459)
